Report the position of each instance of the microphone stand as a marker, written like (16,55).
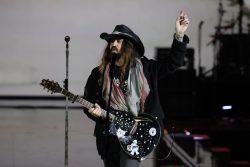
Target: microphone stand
(111,75)
(200,72)
(67,39)
(241,4)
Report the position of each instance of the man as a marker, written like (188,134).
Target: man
(133,79)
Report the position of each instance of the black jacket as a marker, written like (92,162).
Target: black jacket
(153,71)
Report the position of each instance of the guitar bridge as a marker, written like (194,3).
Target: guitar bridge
(140,119)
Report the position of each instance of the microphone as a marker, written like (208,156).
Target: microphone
(67,39)
(201,23)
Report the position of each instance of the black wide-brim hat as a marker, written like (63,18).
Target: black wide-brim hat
(126,33)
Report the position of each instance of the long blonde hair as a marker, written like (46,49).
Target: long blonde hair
(128,54)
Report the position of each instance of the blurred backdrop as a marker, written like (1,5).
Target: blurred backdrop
(206,96)
(32,32)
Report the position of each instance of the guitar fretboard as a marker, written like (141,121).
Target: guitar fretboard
(84,102)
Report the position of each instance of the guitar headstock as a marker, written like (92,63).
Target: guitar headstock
(52,86)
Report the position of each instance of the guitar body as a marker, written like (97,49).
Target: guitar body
(138,136)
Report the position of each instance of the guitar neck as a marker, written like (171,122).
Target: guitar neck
(84,102)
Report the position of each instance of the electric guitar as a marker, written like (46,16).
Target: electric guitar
(138,136)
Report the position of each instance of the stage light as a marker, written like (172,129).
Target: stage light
(187,132)
(227,107)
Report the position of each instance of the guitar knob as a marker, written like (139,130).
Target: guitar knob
(152,131)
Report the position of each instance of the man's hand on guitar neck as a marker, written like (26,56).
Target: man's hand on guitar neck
(95,110)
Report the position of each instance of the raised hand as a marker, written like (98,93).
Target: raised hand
(181,24)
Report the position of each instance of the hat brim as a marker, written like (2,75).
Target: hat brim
(109,37)
(114,35)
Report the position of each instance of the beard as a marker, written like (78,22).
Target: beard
(115,55)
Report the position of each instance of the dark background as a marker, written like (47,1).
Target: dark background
(194,101)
